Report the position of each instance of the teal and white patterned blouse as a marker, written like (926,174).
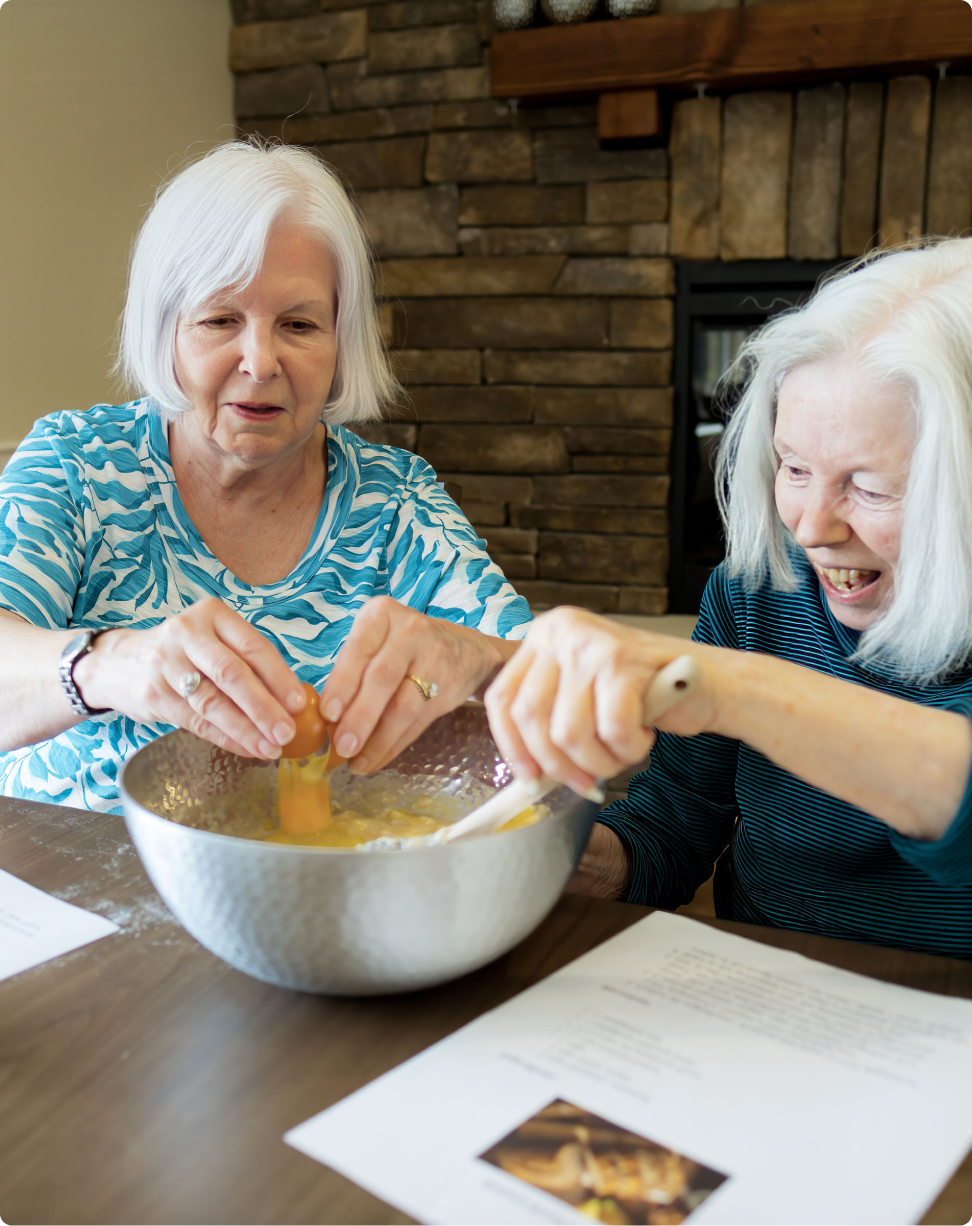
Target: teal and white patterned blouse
(93,533)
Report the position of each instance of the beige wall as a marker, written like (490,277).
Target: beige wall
(98,100)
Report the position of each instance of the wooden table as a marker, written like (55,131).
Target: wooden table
(143,1080)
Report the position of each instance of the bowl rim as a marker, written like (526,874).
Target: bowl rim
(193,831)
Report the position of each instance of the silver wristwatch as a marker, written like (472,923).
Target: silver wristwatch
(79,646)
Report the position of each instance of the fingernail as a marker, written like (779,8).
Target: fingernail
(347,745)
(296,701)
(334,710)
(283,733)
(269,750)
(359,766)
(589,793)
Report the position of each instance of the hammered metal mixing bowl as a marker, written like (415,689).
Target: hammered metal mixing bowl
(342,921)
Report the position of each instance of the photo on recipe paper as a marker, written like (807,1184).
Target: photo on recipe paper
(609,1173)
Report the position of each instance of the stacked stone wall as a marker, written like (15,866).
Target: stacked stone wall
(527,273)
(526,286)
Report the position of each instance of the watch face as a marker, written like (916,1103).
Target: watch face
(79,642)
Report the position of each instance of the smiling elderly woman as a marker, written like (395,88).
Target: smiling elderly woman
(186,558)
(831,777)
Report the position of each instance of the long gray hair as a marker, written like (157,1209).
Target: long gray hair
(906,317)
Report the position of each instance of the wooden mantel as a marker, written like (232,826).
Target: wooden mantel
(761,44)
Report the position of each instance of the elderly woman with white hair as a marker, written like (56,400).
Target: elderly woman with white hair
(824,759)
(191,557)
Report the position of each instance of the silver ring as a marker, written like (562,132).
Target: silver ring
(188,683)
(428,689)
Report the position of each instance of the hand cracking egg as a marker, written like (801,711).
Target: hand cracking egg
(304,794)
(311,729)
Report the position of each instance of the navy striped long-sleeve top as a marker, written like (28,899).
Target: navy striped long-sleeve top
(791,855)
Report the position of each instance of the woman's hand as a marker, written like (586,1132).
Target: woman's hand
(244,700)
(604,869)
(370,694)
(570,704)
(570,701)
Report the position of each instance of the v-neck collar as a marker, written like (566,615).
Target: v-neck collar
(192,553)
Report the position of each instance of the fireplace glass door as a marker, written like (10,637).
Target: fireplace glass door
(717,308)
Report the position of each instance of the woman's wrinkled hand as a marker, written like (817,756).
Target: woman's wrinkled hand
(570,701)
(370,694)
(247,694)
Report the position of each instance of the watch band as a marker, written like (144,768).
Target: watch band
(79,646)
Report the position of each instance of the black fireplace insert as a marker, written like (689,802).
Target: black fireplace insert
(717,306)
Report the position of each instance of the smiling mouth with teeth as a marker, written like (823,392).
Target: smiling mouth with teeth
(848,580)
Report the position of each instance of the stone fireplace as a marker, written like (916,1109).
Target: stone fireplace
(529,272)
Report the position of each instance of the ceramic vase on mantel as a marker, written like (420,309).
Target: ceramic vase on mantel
(631,8)
(513,14)
(563,11)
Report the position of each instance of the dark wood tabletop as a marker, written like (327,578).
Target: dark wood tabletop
(143,1080)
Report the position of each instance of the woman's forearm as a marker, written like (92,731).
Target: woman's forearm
(34,706)
(141,673)
(570,704)
(905,763)
(604,870)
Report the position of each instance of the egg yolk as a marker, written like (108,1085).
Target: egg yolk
(304,774)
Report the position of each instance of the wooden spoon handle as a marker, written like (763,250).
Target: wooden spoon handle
(673,683)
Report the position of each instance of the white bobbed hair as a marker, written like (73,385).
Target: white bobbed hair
(206,234)
(906,317)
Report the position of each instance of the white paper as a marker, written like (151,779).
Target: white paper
(35,927)
(807,1094)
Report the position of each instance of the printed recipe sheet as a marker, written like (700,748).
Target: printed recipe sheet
(676,1072)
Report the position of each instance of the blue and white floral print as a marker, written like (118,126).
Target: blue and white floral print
(93,533)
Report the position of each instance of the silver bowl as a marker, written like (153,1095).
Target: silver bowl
(343,921)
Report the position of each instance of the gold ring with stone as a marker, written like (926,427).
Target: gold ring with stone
(428,689)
